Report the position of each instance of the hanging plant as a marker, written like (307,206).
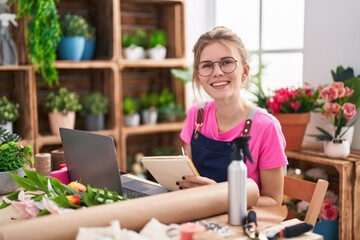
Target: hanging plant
(42,35)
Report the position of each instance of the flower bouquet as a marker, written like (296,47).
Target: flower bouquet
(41,195)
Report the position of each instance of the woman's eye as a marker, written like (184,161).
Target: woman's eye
(225,62)
(206,65)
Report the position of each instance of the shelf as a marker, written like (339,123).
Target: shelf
(148,129)
(93,64)
(148,63)
(15,68)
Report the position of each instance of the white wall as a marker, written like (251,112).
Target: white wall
(332,38)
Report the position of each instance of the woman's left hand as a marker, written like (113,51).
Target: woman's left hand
(194,181)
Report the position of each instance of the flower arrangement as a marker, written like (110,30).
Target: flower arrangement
(293,100)
(41,195)
(337,109)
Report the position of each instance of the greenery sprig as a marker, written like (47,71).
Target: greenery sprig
(42,35)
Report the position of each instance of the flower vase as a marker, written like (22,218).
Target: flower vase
(293,126)
(337,148)
(329,229)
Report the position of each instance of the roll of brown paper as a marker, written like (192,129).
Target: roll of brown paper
(173,207)
(43,163)
(57,157)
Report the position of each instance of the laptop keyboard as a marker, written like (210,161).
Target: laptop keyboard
(131,193)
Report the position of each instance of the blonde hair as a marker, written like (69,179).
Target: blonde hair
(217,34)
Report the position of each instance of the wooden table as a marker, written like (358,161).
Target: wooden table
(344,176)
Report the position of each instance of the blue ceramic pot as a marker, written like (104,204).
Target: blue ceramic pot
(89,49)
(328,228)
(71,48)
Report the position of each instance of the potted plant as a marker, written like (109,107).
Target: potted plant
(134,43)
(131,107)
(12,158)
(149,103)
(61,107)
(94,107)
(169,111)
(9,113)
(90,43)
(157,45)
(43,34)
(72,43)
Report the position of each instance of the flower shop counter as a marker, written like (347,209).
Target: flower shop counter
(173,207)
(344,178)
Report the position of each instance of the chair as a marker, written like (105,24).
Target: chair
(311,192)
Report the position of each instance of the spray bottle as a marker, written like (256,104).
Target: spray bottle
(8,53)
(237,175)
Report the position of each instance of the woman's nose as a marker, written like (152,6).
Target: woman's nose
(217,69)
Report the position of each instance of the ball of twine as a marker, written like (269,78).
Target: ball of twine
(43,163)
(57,157)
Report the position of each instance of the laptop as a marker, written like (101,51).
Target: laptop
(91,159)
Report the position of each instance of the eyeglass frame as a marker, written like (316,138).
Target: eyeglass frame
(212,66)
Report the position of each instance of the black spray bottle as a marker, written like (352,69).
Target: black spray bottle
(237,175)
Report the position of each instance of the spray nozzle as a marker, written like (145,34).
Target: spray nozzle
(5,18)
(241,148)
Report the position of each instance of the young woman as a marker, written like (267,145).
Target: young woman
(220,68)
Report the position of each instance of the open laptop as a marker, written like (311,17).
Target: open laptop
(91,159)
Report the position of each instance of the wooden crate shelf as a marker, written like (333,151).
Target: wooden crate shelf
(341,178)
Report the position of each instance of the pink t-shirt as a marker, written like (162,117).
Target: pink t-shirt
(267,143)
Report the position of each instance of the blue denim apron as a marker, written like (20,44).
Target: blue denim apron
(212,157)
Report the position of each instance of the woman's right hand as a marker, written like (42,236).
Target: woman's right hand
(194,181)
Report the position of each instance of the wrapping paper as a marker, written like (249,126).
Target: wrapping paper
(173,207)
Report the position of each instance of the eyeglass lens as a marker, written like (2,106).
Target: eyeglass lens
(227,65)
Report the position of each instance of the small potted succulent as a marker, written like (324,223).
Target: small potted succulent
(61,107)
(134,44)
(13,157)
(131,107)
(94,107)
(149,103)
(74,29)
(169,111)
(157,45)
(9,113)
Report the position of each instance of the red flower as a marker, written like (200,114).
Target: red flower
(74,199)
(328,211)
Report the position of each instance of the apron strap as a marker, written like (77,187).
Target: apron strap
(247,127)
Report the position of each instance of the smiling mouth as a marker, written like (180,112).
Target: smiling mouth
(219,84)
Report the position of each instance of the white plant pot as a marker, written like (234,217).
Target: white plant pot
(348,135)
(58,120)
(132,120)
(149,116)
(7,125)
(157,53)
(134,53)
(335,149)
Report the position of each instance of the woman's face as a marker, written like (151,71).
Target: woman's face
(221,84)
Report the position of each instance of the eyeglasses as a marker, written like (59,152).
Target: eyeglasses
(227,65)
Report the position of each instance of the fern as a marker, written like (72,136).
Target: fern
(42,36)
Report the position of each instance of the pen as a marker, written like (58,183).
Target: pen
(183,151)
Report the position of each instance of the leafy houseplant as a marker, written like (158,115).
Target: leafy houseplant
(9,112)
(94,106)
(157,45)
(90,43)
(134,44)
(42,35)
(169,111)
(61,106)
(72,44)
(131,107)
(149,103)
(12,158)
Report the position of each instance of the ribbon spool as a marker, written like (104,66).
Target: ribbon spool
(57,157)
(43,163)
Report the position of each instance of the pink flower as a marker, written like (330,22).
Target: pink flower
(328,211)
(25,205)
(349,110)
(302,206)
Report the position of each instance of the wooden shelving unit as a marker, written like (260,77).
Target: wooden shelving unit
(344,179)
(108,73)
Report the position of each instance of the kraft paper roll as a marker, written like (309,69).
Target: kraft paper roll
(43,163)
(173,207)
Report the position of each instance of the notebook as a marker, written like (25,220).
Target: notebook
(167,170)
(91,159)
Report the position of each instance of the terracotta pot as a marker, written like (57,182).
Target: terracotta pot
(58,120)
(293,126)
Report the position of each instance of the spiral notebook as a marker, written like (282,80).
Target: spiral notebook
(167,170)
